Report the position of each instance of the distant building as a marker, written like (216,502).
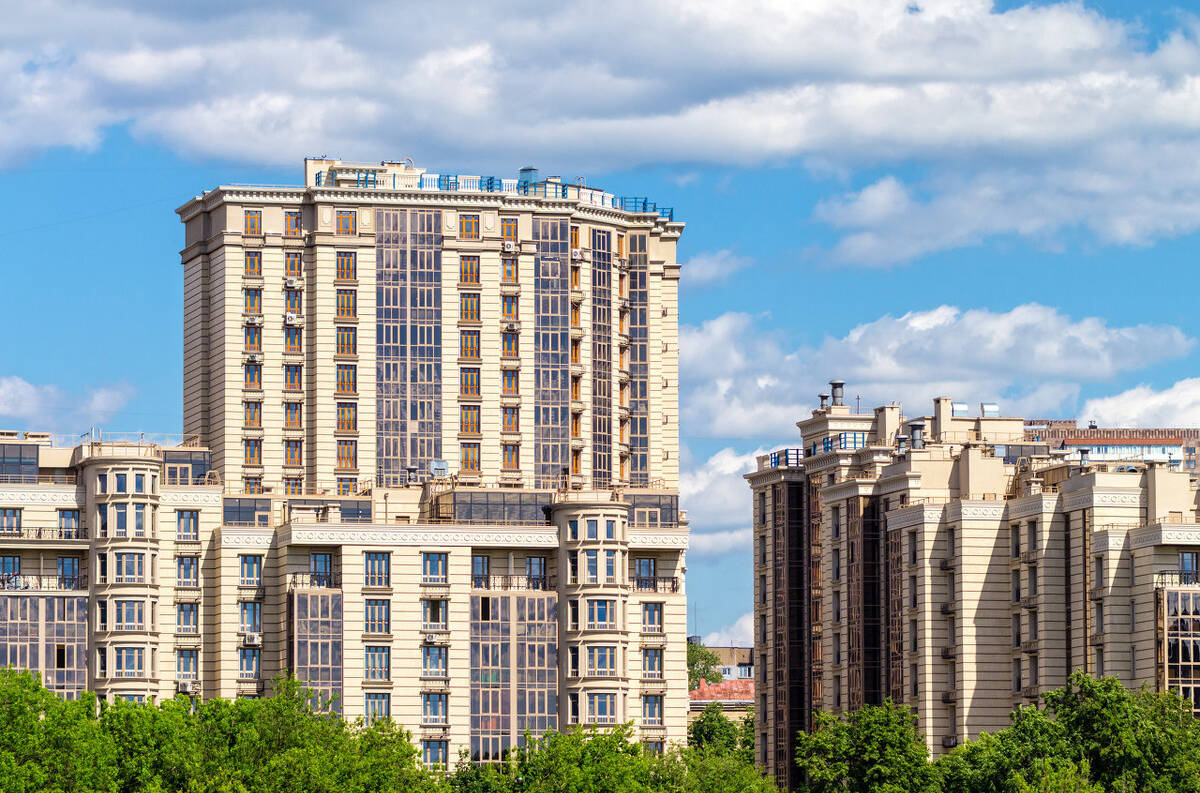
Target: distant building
(734,696)
(737,663)
(965,564)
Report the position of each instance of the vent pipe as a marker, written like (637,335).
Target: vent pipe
(917,430)
(824,400)
(836,387)
(901,443)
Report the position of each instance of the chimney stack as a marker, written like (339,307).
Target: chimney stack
(901,443)
(917,430)
(835,388)
(824,400)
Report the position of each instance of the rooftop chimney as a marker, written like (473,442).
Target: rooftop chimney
(901,443)
(824,400)
(835,387)
(917,430)
(529,175)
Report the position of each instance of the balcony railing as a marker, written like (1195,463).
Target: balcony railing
(48,533)
(1173,578)
(316,580)
(52,583)
(656,584)
(39,479)
(539,583)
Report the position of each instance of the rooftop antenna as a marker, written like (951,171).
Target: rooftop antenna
(857,403)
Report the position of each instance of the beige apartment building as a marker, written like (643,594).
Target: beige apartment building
(949,563)
(430,468)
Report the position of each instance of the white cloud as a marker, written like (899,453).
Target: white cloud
(1035,121)
(740,380)
(712,267)
(50,408)
(1143,406)
(739,634)
(716,491)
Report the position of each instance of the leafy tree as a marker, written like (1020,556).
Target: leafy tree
(712,730)
(876,749)
(703,664)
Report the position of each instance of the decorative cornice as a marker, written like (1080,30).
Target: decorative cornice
(1159,535)
(207,498)
(379,535)
(1095,497)
(658,539)
(975,510)
(914,515)
(1033,504)
(60,495)
(248,538)
(1110,540)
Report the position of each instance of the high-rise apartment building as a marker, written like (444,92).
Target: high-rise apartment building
(430,469)
(951,564)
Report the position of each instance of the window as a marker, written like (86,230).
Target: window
(593,575)
(292,416)
(1016,675)
(253,376)
(610,567)
(347,416)
(480,565)
(469,420)
(347,304)
(130,615)
(1016,630)
(1031,535)
(433,568)
(837,649)
(837,691)
(252,484)
(575,389)
(378,663)
(253,222)
(292,266)
(250,616)
(469,382)
(508,229)
(575,316)
(253,301)
(379,706)
(652,710)
(252,415)
(1014,540)
(102,483)
(510,272)
(292,301)
(512,456)
(470,456)
(468,270)
(469,306)
(122,520)
(574,277)
(293,453)
(346,485)
(433,708)
(652,617)
(187,571)
(291,223)
(575,351)
(130,568)
(187,525)
(510,345)
(1016,586)
(378,616)
(378,568)
(139,520)
(837,564)
(248,663)
(508,306)
(912,591)
(433,661)
(837,606)
(511,382)
(512,420)
(602,708)
(468,227)
(128,661)
(347,378)
(652,665)
(610,529)
(347,265)
(1033,625)
(602,661)
(433,615)
(835,520)
(601,614)
(253,263)
(291,377)
(347,341)
(435,753)
(347,452)
(576,426)
(912,547)
(68,523)
(187,664)
(347,221)
(468,345)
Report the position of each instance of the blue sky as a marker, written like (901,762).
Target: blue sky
(1000,202)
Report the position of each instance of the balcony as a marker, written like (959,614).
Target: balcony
(1096,638)
(947,564)
(19,582)
(315,581)
(1096,593)
(1169,579)
(538,583)
(949,607)
(949,697)
(1030,692)
(949,652)
(1029,602)
(1029,646)
(658,584)
(653,638)
(1029,557)
(38,533)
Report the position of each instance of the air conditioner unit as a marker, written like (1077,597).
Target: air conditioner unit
(292,319)
(576,254)
(254,319)
(187,687)
(511,327)
(253,640)
(431,638)
(509,246)
(291,283)
(254,357)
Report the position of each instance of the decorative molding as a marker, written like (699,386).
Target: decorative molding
(187,498)
(1091,497)
(914,515)
(968,510)
(67,497)
(1110,540)
(379,535)
(1163,536)
(639,539)
(248,538)
(1033,504)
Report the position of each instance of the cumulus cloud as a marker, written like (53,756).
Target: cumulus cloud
(712,267)
(1031,121)
(51,408)
(740,380)
(739,634)
(1143,406)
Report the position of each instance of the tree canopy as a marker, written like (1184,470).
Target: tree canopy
(703,664)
